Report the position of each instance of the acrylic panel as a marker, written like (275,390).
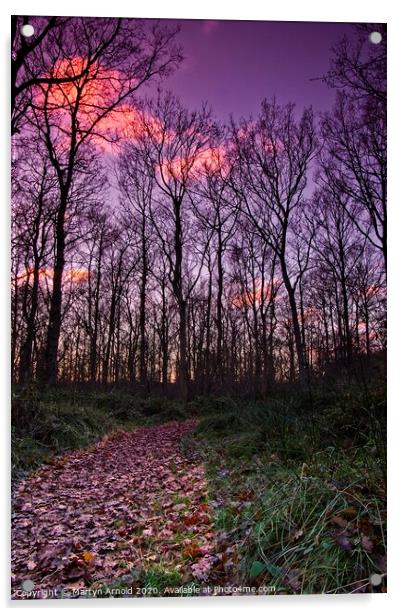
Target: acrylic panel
(198,308)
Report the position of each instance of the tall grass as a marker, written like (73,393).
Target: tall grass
(301,485)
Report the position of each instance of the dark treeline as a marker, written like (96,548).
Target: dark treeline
(153,246)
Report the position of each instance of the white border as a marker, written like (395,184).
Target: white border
(293,10)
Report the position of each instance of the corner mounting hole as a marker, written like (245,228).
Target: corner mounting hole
(375,38)
(27,30)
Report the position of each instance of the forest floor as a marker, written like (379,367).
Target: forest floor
(122,496)
(130,512)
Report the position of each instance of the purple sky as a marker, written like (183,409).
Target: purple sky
(234,64)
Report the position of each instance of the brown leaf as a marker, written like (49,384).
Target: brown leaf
(192,550)
(339,521)
(62,517)
(349,512)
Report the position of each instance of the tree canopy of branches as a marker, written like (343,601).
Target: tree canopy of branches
(156,249)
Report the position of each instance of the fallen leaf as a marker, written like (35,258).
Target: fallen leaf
(192,550)
(339,521)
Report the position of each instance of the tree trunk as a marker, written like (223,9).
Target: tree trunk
(182,305)
(219,307)
(142,311)
(25,368)
(49,366)
(300,350)
(94,336)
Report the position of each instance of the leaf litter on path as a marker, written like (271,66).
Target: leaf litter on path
(132,501)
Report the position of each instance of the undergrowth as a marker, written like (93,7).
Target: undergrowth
(297,482)
(54,421)
(299,486)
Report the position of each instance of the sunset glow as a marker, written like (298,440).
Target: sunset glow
(255,295)
(210,160)
(75,276)
(95,87)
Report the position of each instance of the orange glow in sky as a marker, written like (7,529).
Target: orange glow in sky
(94,92)
(73,275)
(251,297)
(209,160)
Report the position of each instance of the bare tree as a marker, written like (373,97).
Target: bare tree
(274,155)
(355,133)
(109,62)
(172,142)
(224,260)
(214,206)
(136,185)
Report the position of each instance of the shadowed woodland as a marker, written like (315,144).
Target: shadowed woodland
(229,278)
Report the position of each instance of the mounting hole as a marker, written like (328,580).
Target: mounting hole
(375,38)
(27,30)
(28,585)
(375,579)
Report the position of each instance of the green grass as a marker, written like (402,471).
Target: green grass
(161,579)
(54,421)
(55,426)
(301,487)
(153,581)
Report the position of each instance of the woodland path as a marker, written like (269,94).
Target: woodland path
(131,502)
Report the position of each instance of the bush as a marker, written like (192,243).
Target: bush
(163,407)
(25,407)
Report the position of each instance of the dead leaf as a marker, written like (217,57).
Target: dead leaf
(69,508)
(349,512)
(339,521)
(192,550)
